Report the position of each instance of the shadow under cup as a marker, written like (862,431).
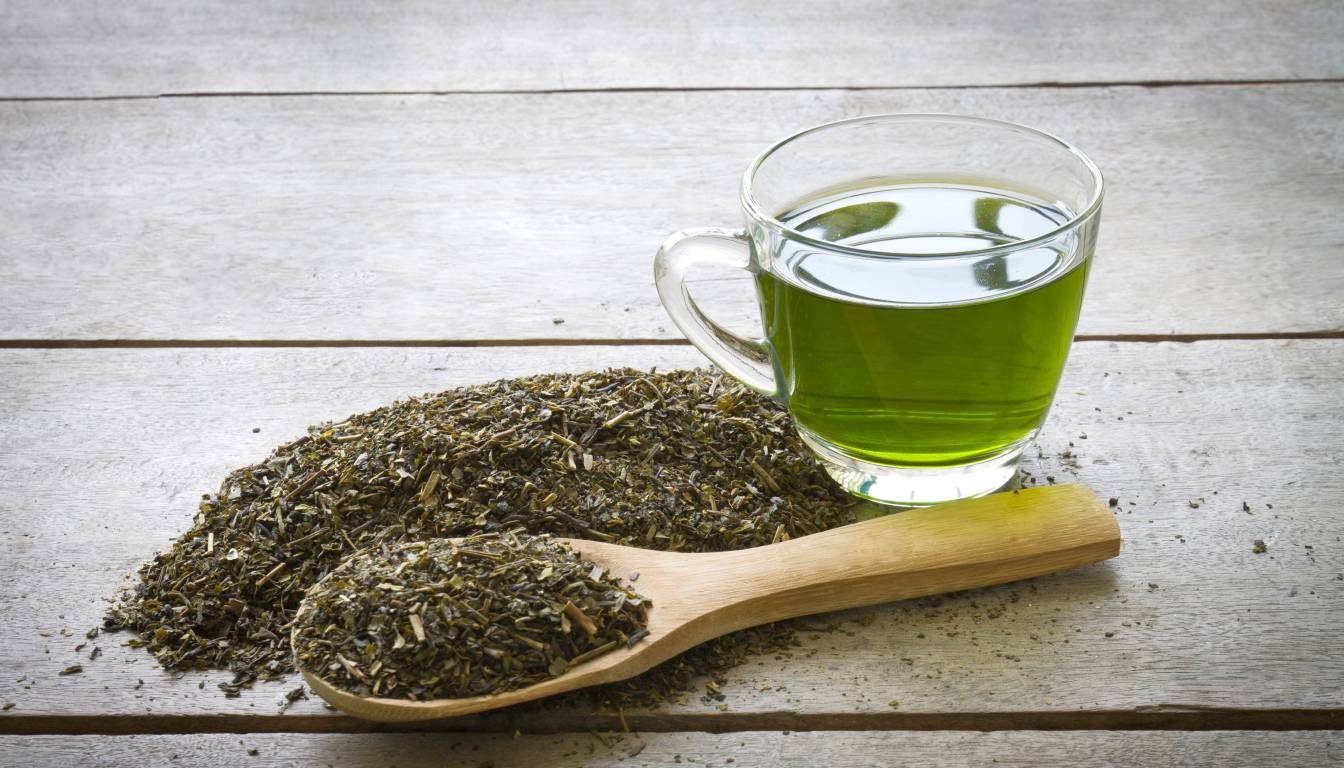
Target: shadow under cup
(920,279)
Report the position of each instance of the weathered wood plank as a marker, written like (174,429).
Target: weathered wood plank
(109,49)
(106,452)
(746,750)
(491,217)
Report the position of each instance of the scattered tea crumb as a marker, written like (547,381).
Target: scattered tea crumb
(255,430)
(253,752)
(1194,503)
(291,697)
(1114,501)
(1258,547)
(8,706)
(558,320)
(1110,634)
(1152,587)
(73,669)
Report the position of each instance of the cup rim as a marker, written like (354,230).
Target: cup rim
(753,207)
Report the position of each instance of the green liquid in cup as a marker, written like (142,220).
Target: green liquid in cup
(934,368)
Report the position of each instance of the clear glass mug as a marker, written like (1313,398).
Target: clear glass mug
(920,279)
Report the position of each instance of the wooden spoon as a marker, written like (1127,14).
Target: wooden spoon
(696,597)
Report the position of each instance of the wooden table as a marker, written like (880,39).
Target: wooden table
(224,222)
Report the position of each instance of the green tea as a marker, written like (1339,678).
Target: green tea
(451,618)
(946,358)
(687,461)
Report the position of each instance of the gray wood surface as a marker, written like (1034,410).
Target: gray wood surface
(112,49)
(494,216)
(524,202)
(107,451)
(745,750)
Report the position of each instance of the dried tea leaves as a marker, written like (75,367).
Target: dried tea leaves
(448,619)
(681,460)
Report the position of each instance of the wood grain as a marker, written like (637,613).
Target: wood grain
(746,750)
(107,451)
(152,47)
(537,216)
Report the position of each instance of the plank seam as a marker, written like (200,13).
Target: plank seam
(1139,338)
(1044,84)
(1150,718)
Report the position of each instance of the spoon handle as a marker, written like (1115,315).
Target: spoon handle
(974,543)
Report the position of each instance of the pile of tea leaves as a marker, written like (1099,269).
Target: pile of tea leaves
(452,618)
(682,460)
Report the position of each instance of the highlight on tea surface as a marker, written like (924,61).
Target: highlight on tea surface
(680,460)
(454,618)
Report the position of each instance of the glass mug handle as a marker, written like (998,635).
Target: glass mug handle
(747,360)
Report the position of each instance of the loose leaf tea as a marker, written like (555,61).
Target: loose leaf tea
(682,460)
(448,619)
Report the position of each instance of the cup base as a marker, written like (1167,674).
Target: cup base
(916,486)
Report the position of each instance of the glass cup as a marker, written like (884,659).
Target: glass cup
(919,279)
